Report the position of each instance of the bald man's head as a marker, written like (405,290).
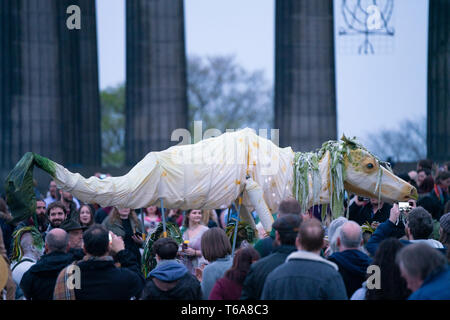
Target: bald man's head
(56,240)
(350,236)
(310,235)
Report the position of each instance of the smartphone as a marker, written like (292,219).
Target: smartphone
(404,207)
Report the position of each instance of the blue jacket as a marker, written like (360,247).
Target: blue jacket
(386,230)
(435,287)
(214,272)
(170,280)
(169,270)
(353,266)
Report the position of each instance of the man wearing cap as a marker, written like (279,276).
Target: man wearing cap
(75,231)
(267,245)
(286,229)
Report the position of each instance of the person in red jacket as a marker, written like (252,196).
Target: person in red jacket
(230,286)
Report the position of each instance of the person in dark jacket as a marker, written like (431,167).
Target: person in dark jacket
(306,275)
(369,211)
(267,245)
(286,229)
(39,281)
(418,228)
(352,262)
(229,287)
(100,278)
(170,280)
(426,272)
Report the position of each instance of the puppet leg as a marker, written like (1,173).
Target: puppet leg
(255,194)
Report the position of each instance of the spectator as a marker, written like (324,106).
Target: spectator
(75,232)
(28,247)
(175,216)
(152,216)
(52,194)
(56,214)
(39,281)
(333,232)
(216,248)
(86,216)
(70,203)
(10,286)
(392,285)
(286,229)
(42,219)
(100,278)
(229,287)
(192,232)
(288,206)
(426,272)
(439,196)
(418,228)
(124,223)
(426,187)
(422,174)
(305,275)
(369,211)
(170,280)
(444,232)
(350,259)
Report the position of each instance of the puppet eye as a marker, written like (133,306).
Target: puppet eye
(369,166)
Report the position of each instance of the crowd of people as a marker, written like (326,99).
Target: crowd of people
(100,250)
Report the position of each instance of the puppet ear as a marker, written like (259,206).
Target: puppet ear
(350,142)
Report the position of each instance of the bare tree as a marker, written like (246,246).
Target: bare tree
(407,142)
(226,96)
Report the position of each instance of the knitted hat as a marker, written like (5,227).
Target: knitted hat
(445,222)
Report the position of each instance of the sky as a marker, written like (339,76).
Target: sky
(373,91)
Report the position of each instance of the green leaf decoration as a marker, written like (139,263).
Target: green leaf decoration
(148,257)
(19,186)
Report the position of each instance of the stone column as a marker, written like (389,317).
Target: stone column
(156,98)
(438,120)
(49,100)
(305,90)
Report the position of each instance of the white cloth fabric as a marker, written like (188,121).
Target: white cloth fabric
(207,175)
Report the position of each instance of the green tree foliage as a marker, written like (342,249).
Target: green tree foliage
(113,126)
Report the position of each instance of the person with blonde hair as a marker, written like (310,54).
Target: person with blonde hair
(192,231)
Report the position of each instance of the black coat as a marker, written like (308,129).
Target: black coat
(254,282)
(364,214)
(102,280)
(186,288)
(39,281)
